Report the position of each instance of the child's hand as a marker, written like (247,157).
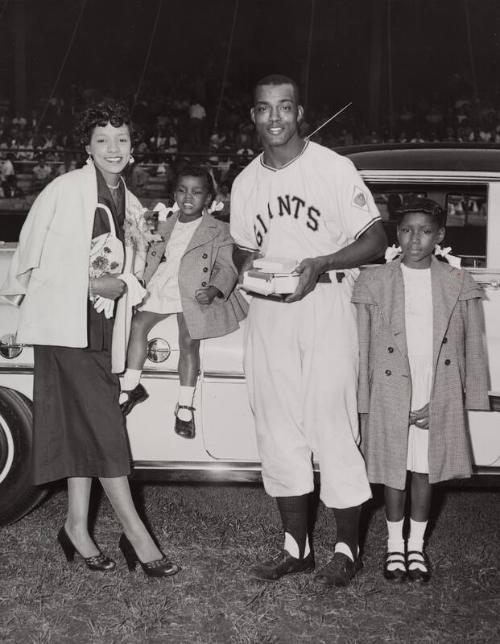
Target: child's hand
(206,295)
(420,417)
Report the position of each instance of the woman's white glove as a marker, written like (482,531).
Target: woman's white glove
(135,293)
(104,304)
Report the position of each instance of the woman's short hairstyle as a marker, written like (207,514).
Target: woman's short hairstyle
(424,206)
(101,114)
(197,171)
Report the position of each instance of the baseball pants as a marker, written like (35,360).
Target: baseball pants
(301,365)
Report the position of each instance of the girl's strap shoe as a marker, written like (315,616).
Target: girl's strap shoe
(99,562)
(395,567)
(134,397)
(422,572)
(185,428)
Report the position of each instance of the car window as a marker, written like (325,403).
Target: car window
(466,208)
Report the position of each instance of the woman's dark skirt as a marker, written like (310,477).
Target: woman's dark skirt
(79,429)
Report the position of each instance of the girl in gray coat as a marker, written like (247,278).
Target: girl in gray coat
(422,361)
(189,273)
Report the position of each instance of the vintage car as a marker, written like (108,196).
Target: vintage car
(464,180)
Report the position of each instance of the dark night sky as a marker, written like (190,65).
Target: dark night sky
(428,39)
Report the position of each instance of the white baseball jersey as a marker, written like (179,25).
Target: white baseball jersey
(301,359)
(315,205)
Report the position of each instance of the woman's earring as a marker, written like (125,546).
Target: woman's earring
(131,160)
(89,160)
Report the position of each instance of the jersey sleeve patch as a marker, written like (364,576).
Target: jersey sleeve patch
(359,199)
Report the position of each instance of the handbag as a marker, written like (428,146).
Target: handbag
(107,257)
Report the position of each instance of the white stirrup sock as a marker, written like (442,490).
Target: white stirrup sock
(186,395)
(292,547)
(342,547)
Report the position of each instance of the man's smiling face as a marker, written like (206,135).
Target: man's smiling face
(276,114)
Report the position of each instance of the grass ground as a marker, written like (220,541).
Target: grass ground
(216,533)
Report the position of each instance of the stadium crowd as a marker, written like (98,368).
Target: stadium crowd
(174,126)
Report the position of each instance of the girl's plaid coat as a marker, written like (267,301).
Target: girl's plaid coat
(460,379)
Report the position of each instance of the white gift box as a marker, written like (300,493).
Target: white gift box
(271,276)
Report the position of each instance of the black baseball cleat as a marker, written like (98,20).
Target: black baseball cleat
(282,564)
(134,397)
(338,571)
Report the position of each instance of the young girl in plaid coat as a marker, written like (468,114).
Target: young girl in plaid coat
(422,363)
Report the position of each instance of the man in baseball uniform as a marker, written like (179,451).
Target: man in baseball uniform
(301,201)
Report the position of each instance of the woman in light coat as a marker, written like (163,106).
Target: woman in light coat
(78,247)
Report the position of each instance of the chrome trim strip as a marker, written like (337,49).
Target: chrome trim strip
(206,375)
(428,176)
(188,472)
(12,369)
(223,375)
(481,470)
(219,466)
(167,374)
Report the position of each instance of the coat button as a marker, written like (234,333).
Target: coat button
(388,372)
(447,361)
(390,349)
(445,340)
(205,269)
(203,283)
(153,253)
(204,256)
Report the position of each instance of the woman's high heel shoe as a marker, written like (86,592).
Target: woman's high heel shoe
(98,562)
(157,568)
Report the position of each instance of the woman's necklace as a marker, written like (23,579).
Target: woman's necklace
(113,187)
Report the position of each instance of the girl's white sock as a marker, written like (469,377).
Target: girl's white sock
(395,541)
(131,379)
(186,395)
(416,538)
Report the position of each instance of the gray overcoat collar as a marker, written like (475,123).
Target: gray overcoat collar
(446,287)
(205,232)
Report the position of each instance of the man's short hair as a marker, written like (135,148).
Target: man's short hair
(278,79)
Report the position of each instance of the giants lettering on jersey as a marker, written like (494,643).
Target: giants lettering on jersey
(286,206)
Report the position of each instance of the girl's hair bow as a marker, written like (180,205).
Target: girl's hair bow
(216,206)
(391,252)
(446,253)
(163,212)
(394,251)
